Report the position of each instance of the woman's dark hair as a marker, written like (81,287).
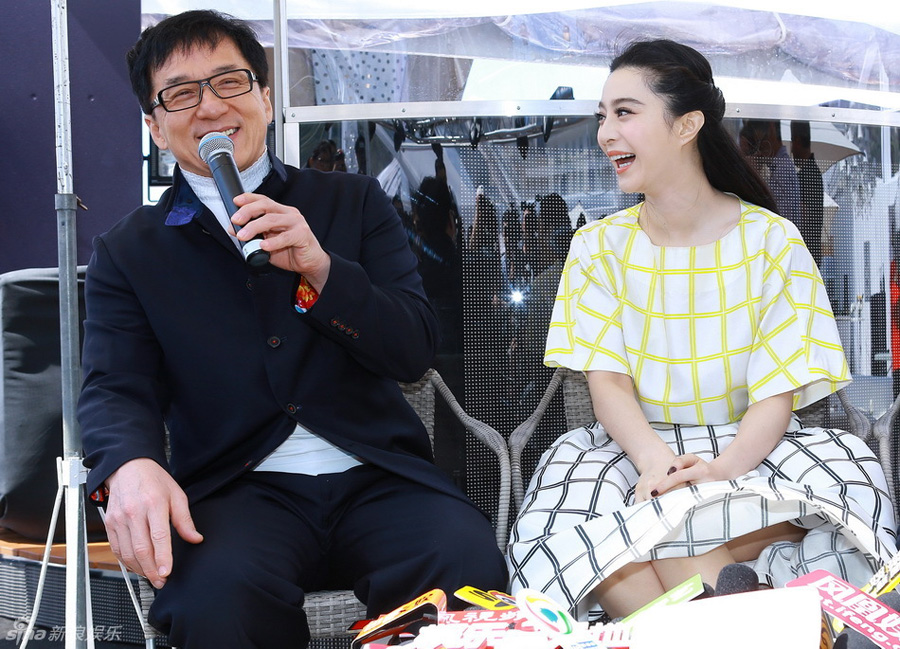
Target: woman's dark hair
(682,77)
(182,32)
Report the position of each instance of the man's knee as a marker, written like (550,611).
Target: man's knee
(465,553)
(473,559)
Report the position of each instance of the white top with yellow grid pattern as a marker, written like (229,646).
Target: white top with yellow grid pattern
(703,331)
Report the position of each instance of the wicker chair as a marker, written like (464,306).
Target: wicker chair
(330,613)
(875,433)
(579,412)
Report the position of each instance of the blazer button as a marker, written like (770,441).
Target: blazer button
(291,408)
(355,335)
(249,285)
(335,322)
(274,342)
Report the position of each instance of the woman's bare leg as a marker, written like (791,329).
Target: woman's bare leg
(628,589)
(749,546)
(637,584)
(674,571)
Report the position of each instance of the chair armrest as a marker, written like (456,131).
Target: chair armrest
(882,430)
(146,595)
(879,431)
(490,438)
(523,432)
(857,421)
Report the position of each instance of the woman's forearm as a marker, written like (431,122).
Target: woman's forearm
(617,409)
(760,430)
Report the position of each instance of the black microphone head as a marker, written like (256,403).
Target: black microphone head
(213,143)
(736,578)
(891,598)
(852,639)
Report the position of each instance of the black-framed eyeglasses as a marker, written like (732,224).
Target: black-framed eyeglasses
(189,94)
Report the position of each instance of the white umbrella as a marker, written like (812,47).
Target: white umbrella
(828,144)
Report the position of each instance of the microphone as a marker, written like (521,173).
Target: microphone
(217,150)
(736,578)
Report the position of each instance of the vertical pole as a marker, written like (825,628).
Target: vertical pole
(281,94)
(79,631)
(886,166)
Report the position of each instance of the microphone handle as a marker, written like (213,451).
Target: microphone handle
(228,182)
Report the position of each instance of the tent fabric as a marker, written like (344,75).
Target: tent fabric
(740,41)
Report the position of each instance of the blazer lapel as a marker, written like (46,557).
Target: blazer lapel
(211,226)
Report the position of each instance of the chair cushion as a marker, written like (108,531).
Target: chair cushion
(30,401)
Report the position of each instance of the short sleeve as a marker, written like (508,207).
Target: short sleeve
(585,330)
(797,346)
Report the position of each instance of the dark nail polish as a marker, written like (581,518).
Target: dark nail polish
(671,470)
(654,493)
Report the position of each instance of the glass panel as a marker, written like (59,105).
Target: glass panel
(491,224)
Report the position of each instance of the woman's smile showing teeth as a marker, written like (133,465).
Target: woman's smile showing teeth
(622,161)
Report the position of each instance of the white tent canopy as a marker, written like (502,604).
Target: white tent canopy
(864,11)
(826,52)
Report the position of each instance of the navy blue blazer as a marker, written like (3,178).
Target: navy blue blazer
(181,332)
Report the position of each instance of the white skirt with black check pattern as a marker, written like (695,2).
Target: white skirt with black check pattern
(579,523)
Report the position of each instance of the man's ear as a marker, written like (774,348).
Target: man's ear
(688,125)
(159,139)
(270,110)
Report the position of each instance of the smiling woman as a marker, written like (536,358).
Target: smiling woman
(701,321)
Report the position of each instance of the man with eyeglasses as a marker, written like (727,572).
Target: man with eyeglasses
(295,464)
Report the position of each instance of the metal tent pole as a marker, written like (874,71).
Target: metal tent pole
(79,628)
(280,85)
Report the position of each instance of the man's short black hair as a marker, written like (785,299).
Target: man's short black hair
(182,32)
